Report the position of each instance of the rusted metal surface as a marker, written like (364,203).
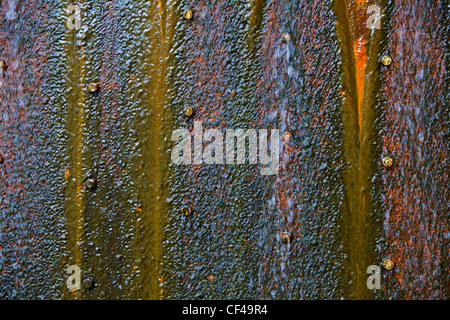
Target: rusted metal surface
(299,92)
(27,180)
(87,177)
(414,132)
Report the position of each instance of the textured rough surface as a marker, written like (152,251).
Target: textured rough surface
(414,129)
(323,83)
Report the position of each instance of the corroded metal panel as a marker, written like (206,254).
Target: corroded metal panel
(414,131)
(88,177)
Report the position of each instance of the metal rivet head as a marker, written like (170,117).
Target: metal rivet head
(387,162)
(286,37)
(188,14)
(88,283)
(2,64)
(93,87)
(388,264)
(287,136)
(286,237)
(386,60)
(189,112)
(185,211)
(91,183)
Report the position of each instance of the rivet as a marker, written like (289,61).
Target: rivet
(286,237)
(286,37)
(388,264)
(287,136)
(93,87)
(189,112)
(2,64)
(91,183)
(387,162)
(88,283)
(185,211)
(188,14)
(386,60)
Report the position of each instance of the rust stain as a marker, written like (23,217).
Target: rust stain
(361,62)
(358,113)
(362,3)
(415,230)
(417,187)
(161,25)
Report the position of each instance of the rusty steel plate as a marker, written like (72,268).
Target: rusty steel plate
(117,120)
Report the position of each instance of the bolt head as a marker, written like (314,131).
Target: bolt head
(189,112)
(286,237)
(88,283)
(186,211)
(93,87)
(386,60)
(387,162)
(286,37)
(188,14)
(388,264)
(91,184)
(287,136)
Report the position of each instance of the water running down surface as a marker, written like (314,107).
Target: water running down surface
(324,84)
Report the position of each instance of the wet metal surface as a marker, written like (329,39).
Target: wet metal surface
(414,126)
(87,115)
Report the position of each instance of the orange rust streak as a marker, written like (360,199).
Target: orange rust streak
(361,3)
(360,60)
(161,23)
